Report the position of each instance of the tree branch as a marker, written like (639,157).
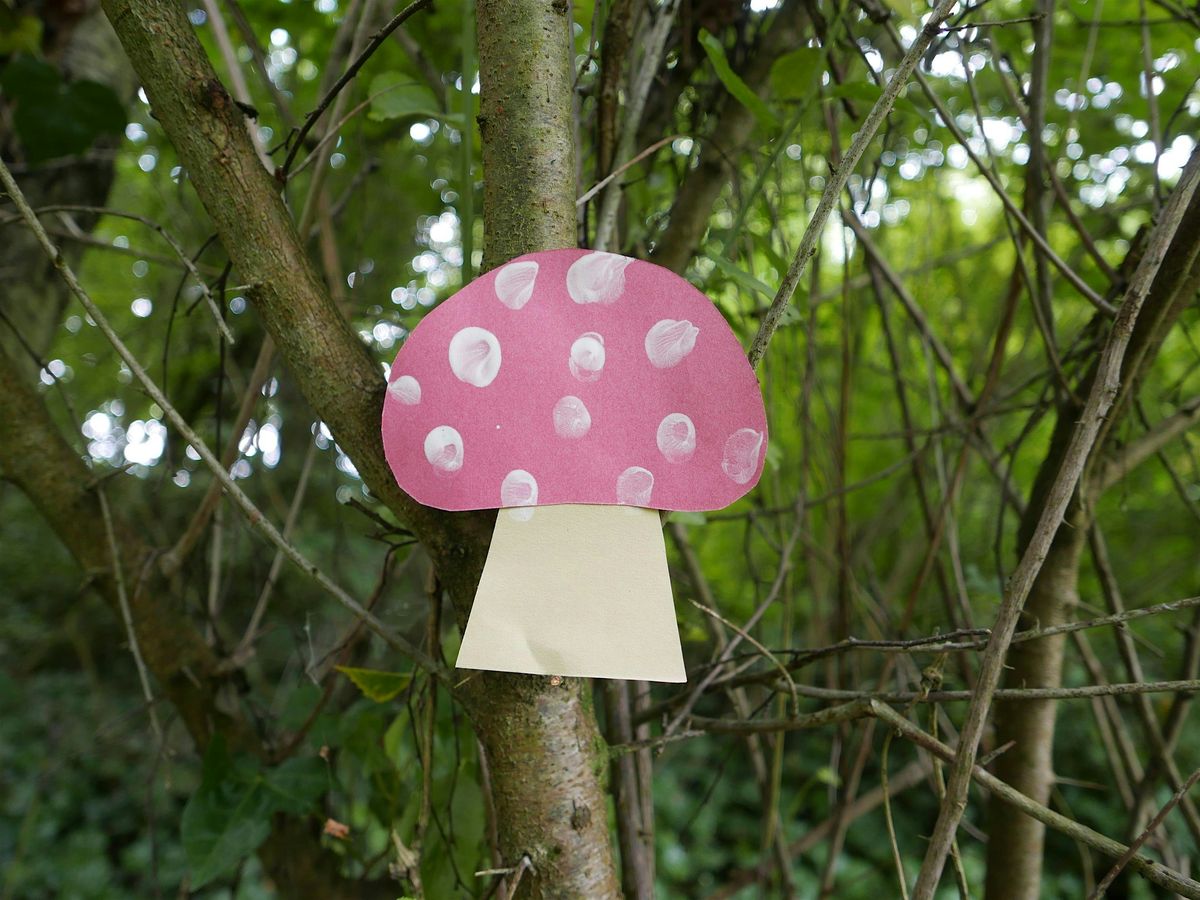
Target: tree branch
(333,369)
(1138,451)
(1104,391)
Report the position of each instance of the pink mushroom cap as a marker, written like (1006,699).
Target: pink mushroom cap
(571,376)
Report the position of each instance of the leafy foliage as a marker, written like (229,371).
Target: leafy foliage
(56,117)
(229,816)
(375,685)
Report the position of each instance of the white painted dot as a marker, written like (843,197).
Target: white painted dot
(668,341)
(444,450)
(597,278)
(519,489)
(571,418)
(514,283)
(676,438)
(634,486)
(475,356)
(406,389)
(742,449)
(587,357)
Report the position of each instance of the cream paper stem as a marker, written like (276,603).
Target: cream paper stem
(576,590)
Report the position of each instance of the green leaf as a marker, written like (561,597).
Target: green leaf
(376,685)
(57,118)
(227,818)
(733,82)
(26,79)
(861,91)
(829,776)
(297,783)
(794,76)
(743,278)
(395,95)
(97,107)
(19,33)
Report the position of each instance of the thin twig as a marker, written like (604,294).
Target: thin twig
(126,614)
(1151,870)
(604,182)
(1120,689)
(373,44)
(264,597)
(184,258)
(653,49)
(947,121)
(779,667)
(1153,824)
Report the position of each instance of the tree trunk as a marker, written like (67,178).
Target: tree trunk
(1014,857)
(1016,842)
(731,135)
(541,739)
(544,751)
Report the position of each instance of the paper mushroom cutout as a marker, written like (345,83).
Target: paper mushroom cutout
(579,392)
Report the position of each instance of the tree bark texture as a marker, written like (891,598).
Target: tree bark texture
(543,747)
(1016,841)
(544,750)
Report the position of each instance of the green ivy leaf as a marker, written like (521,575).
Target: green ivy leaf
(26,79)
(97,107)
(297,783)
(733,82)
(376,685)
(227,818)
(55,117)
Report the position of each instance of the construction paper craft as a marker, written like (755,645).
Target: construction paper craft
(608,627)
(596,386)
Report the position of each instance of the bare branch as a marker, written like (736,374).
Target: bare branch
(1138,451)
(1100,399)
